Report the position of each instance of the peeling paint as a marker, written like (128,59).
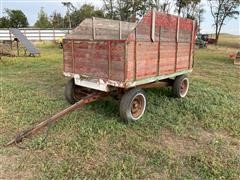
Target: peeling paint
(104,85)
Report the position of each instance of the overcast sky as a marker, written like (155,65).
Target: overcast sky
(32,7)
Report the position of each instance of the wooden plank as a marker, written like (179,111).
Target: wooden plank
(109,60)
(125,61)
(153,25)
(120,30)
(93,28)
(135,57)
(73,58)
(168,35)
(159,51)
(191,45)
(177,38)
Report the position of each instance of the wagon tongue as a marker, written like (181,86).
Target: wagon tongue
(32,130)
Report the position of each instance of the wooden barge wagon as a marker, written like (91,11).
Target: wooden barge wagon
(122,58)
(106,57)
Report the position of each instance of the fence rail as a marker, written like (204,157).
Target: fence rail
(35,34)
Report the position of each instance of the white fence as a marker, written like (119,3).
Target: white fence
(35,34)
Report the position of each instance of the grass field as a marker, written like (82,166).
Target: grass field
(229,40)
(193,138)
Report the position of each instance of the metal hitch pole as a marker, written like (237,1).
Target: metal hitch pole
(32,130)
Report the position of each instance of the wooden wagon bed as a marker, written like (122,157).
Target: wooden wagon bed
(102,53)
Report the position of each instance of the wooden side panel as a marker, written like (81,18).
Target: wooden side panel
(130,61)
(147,55)
(183,56)
(167,57)
(91,58)
(117,61)
(96,59)
(170,51)
(67,56)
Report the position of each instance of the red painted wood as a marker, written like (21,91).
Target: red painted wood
(95,59)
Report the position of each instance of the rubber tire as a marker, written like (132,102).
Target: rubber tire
(177,86)
(125,103)
(69,92)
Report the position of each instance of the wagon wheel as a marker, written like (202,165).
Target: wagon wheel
(74,93)
(132,105)
(180,86)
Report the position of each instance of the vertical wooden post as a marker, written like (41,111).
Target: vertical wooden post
(109,60)
(39,33)
(93,28)
(120,30)
(159,47)
(125,61)
(191,45)
(73,57)
(153,25)
(10,34)
(135,56)
(17,48)
(54,34)
(177,38)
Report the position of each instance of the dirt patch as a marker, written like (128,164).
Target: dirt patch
(178,144)
(9,168)
(186,146)
(18,164)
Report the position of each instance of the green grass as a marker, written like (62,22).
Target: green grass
(193,138)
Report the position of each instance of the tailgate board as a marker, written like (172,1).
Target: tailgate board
(95,59)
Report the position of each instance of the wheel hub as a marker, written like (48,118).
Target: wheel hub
(184,87)
(137,106)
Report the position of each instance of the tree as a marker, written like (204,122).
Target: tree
(187,8)
(126,10)
(85,11)
(110,8)
(56,19)
(200,12)
(222,10)
(4,22)
(43,21)
(164,5)
(14,19)
(70,8)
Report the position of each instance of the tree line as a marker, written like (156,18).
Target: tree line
(125,10)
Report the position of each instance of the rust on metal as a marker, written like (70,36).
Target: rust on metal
(137,106)
(157,84)
(28,132)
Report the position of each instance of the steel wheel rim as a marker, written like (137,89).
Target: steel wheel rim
(138,106)
(184,87)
